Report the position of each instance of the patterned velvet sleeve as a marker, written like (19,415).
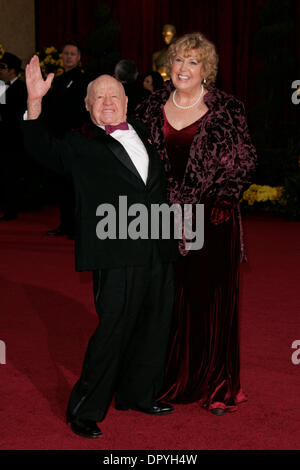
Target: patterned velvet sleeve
(235,156)
(244,151)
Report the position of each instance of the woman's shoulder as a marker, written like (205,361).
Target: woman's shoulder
(160,96)
(151,106)
(222,100)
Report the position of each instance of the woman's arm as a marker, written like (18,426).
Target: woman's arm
(235,156)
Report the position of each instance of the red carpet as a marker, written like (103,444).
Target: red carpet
(47,317)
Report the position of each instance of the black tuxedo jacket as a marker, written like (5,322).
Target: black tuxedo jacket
(63,105)
(16,102)
(11,116)
(102,171)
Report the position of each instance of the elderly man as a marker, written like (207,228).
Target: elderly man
(133,279)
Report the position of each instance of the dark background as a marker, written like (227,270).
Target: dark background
(258,42)
(230,24)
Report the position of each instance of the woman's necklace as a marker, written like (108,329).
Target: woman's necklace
(191,105)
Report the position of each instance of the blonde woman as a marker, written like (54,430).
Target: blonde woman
(202,137)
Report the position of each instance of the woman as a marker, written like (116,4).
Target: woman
(202,136)
(153,81)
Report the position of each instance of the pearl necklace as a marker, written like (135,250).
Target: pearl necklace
(191,105)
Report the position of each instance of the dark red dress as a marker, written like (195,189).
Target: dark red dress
(203,361)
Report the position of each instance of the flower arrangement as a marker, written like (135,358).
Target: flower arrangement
(258,193)
(1,50)
(50,61)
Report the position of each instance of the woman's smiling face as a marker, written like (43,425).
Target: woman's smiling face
(187,72)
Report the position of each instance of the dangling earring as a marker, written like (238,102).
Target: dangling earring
(204,81)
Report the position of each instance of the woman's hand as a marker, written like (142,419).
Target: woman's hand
(221,212)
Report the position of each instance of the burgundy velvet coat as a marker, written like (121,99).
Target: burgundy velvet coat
(222,157)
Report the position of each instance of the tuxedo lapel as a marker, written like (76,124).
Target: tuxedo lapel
(121,154)
(150,148)
(118,150)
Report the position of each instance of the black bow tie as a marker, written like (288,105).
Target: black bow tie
(7,83)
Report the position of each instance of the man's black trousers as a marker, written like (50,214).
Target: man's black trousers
(126,355)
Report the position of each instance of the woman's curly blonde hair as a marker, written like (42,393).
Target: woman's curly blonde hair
(205,53)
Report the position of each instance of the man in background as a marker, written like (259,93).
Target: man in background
(13,98)
(127,73)
(64,111)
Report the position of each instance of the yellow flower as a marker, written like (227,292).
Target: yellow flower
(262,193)
(50,61)
(261,197)
(50,50)
(1,50)
(59,71)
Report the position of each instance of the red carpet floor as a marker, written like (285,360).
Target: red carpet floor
(47,317)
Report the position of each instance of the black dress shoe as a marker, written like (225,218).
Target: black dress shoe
(158,408)
(218,411)
(84,427)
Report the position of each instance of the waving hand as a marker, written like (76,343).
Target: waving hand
(37,87)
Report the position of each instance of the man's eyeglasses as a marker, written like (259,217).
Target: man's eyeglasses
(3,66)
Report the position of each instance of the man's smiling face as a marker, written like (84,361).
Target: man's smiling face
(106,101)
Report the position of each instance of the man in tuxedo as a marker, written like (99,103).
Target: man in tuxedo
(132,278)
(13,97)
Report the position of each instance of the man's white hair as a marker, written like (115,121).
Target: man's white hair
(91,84)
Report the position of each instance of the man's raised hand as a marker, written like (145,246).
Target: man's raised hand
(37,87)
